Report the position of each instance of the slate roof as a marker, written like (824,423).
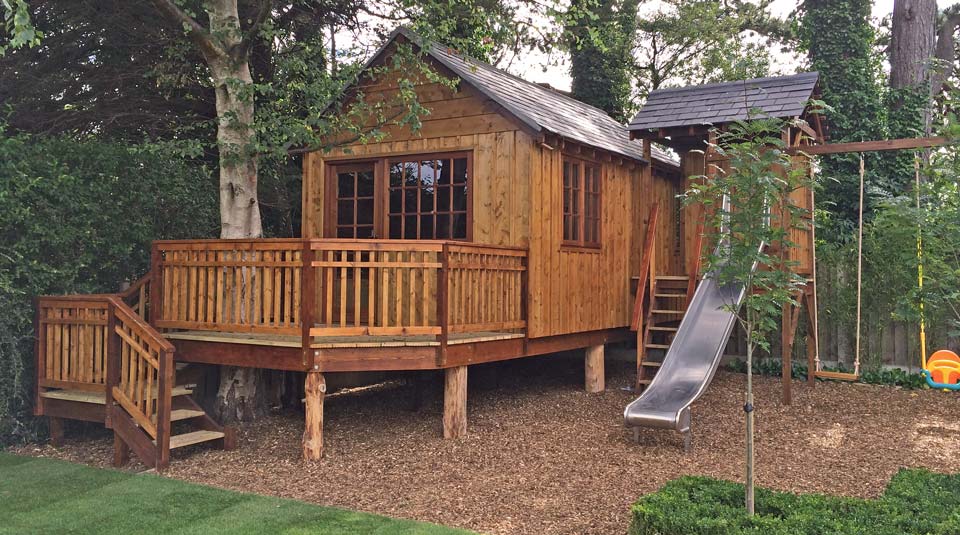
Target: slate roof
(712,104)
(540,108)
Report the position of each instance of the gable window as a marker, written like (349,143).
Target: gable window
(581,202)
(429,197)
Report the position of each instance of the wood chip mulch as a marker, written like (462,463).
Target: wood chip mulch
(544,457)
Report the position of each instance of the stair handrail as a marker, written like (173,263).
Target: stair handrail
(137,295)
(647,275)
(140,408)
(694,275)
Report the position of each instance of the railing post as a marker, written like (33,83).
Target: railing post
(156,286)
(113,361)
(40,353)
(164,402)
(443,304)
(307,300)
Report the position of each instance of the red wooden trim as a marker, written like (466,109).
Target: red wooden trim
(443,304)
(643,281)
(308,288)
(694,274)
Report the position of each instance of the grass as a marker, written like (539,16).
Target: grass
(51,496)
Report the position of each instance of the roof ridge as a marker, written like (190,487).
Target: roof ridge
(733,83)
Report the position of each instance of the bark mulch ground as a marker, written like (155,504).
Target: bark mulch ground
(543,456)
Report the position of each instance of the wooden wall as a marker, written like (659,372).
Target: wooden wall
(516,201)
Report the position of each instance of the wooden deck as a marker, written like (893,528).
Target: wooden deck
(330,342)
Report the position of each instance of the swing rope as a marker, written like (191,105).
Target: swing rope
(856,357)
(923,332)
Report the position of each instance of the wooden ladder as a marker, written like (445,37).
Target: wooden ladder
(668,304)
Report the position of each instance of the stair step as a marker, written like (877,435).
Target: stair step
(184,414)
(662,311)
(652,364)
(182,390)
(673,278)
(194,437)
(672,296)
(665,329)
(658,346)
(97,398)
(644,381)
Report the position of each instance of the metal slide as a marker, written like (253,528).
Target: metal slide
(690,362)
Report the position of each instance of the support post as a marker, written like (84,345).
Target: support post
(455,402)
(121,452)
(56,431)
(593,369)
(315,389)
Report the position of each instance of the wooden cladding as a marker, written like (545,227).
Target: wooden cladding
(581,202)
(72,343)
(230,285)
(345,288)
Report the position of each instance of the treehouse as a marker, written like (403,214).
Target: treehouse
(515,221)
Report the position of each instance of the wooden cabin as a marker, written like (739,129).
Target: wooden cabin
(514,222)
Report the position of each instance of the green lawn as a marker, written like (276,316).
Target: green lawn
(50,496)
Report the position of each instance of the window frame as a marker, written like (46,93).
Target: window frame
(381,216)
(580,219)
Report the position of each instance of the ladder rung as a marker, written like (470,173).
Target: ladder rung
(667,329)
(671,296)
(672,278)
(644,381)
(661,311)
(652,364)
(657,346)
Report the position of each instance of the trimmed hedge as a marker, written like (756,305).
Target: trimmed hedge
(915,502)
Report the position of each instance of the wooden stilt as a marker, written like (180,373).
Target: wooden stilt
(56,431)
(593,369)
(315,389)
(455,402)
(121,452)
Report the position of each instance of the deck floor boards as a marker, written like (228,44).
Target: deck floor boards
(326,342)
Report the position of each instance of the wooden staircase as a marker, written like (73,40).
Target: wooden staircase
(98,359)
(667,306)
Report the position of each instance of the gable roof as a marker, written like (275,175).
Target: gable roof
(540,109)
(712,104)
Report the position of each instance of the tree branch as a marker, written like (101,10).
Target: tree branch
(250,36)
(197,33)
(944,52)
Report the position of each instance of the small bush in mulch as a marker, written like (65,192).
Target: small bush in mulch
(886,377)
(915,502)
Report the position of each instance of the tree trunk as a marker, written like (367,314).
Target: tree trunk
(240,396)
(748,411)
(912,42)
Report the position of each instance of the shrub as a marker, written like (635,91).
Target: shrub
(79,217)
(915,502)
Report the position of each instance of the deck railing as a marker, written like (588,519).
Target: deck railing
(341,287)
(72,339)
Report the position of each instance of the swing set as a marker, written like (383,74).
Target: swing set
(942,369)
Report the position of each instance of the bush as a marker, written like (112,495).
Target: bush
(915,502)
(79,217)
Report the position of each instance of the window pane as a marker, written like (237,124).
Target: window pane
(395,229)
(345,212)
(396,201)
(426,199)
(365,184)
(460,198)
(575,176)
(396,175)
(365,212)
(410,227)
(459,226)
(344,185)
(345,232)
(566,174)
(364,232)
(445,172)
(460,171)
(427,174)
(426,227)
(443,199)
(443,227)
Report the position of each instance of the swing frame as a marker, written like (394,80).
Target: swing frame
(813,368)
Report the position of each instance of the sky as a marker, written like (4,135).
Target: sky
(535,67)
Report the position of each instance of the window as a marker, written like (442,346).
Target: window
(354,215)
(429,197)
(581,203)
